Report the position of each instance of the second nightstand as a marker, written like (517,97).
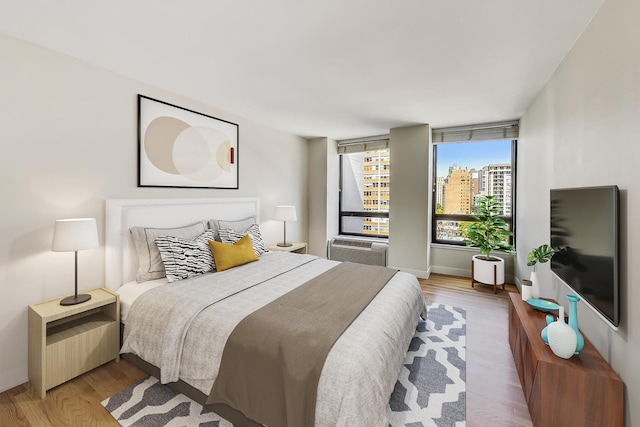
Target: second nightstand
(297,247)
(66,341)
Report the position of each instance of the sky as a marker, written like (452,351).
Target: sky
(472,155)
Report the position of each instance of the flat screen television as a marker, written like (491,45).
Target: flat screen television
(584,233)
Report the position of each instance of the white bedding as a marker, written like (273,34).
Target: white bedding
(359,373)
(130,291)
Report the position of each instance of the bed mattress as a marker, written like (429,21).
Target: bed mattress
(130,291)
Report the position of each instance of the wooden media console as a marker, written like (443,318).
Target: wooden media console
(580,391)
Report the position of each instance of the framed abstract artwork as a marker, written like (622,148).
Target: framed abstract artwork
(182,148)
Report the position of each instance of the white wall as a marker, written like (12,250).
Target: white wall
(68,133)
(324,174)
(456,261)
(583,130)
(409,196)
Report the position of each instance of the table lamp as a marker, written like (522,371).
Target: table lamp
(285,213)
(75,235)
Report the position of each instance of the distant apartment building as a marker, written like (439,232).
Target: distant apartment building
(376,191)
(440,181)
(457,192)
(475,182)
(462,187)
(497,180)
(460,191)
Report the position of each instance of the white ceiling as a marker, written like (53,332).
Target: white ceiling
(335,68)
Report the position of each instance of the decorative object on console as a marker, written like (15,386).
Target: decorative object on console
(488,233)
(542,305)
(75,235)
(181,148)
(284,214)
(526,290)
(541,254)
(573,321)
(562,338)
(545,333)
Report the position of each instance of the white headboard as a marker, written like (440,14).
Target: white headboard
(121,260)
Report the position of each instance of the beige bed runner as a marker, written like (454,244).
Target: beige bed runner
(273,359)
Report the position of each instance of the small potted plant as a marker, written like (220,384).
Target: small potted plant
(489,232)
(541,254)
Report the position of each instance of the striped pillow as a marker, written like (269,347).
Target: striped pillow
(184,258)
(228,235)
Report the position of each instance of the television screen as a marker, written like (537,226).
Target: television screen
(584,233)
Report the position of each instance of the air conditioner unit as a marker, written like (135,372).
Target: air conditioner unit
(358,250)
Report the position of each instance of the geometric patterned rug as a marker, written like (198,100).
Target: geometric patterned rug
(430,390)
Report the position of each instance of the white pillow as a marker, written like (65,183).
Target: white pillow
(184,258)
(239,225)
(150,264)
(231,236)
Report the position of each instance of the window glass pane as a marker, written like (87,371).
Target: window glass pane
(464,172)
(352,224)
(448,230)
(365,188)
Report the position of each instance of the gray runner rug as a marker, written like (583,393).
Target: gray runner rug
(430,390)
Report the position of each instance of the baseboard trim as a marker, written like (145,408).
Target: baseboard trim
(463,272)
(422,274)
(450,271)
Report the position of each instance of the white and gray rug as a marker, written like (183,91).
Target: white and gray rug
(430,390)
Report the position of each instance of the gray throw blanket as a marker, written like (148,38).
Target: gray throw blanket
(273,359)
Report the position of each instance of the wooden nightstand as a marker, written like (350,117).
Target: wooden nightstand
(66,341)
(297,247)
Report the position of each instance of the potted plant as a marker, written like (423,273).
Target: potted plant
(489,232)
(541,254)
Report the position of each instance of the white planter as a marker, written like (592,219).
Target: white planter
(488,272)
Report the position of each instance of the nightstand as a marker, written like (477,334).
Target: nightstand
(297,247)
(67,341)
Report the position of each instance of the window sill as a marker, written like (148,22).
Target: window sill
(467,249)
(368,238)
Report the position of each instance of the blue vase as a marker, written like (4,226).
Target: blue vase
(573,320)
(544,334)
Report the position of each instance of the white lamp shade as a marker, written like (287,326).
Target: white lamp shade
(75,234)
(285,213)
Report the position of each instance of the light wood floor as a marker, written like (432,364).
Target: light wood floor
(494,395)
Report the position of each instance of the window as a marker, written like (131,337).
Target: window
(464,171)
(364,192)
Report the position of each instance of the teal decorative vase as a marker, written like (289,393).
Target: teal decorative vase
(544,334)
(573,320)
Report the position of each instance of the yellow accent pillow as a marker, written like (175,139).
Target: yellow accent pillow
(228,255)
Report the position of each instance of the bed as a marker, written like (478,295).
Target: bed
(360,370)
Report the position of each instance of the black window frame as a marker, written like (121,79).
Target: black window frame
(435,217)
(360,214)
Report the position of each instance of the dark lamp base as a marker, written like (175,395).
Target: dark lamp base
(75,299)
(285,245)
